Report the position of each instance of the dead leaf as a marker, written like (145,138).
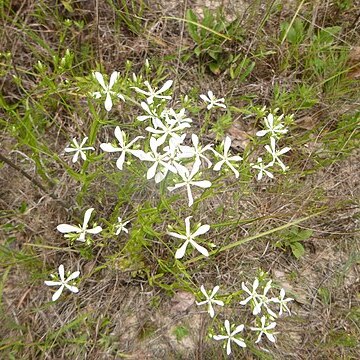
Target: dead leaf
(306,122)
(240,138)
(354,62)
(181,301)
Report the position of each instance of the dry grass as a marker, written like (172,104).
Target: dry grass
(119,314)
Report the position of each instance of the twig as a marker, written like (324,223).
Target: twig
(31,178)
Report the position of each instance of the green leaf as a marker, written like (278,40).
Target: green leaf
(192,28)
(297,249)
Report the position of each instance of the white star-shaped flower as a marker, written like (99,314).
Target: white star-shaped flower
(63,282)
(189,239)
(253,295)
(282,302)
(196,151)
(151,114)
(188,181)
(180,117)
(210,300)
(212,100)
(123,147)
(230,336)
(276,153)
(225,159)
(106,89)
(151,93)
(81,230)
(120,226)
(161,161)
(271,128)
(78,149)
(167,128)
(262,169)
(264,329)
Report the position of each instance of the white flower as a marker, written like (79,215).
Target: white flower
(262,169)
(230,336)
(124,148)
(189,239)
(196,150)
(263,300)
(168,129)
(82,230)
(276,153)
(63,283)
(282,302)
(159,160)
(151,114)
(264,329)
(271,128)
(253,295)
(211,99)
(226,158)
(188,181)
(151,94)
(78,149)
(180,117)
(106,89)
(120,226)
(210,300)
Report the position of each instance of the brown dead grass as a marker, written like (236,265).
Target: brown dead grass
(122,314)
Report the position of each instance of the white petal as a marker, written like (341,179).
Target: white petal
(199,248)
(165,87)
(107,147)
(218,165)
(190,196)
(58,293)
(239,342)
(228,347)
(187,225)
(262,133)
(181,251)
(108,102)
(202,184)
(227,144)
(65,228)
(62,272)
(76,156)
(95,230)
(99,77)
(151,172)
(176,235)
(52,283)
(227,327)
(119,136)
(202,289)
(220,337)
(120,161)
(200,231)
(72,288)
(114,76)
(204,98)
(87,216)
(141,155)
(218,302)
(214,291)
(271,337)
(73,276)
(211,310)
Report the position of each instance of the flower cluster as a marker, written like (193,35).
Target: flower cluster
(172,151)
(275,128)
(260,302)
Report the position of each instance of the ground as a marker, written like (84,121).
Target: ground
(131,306)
